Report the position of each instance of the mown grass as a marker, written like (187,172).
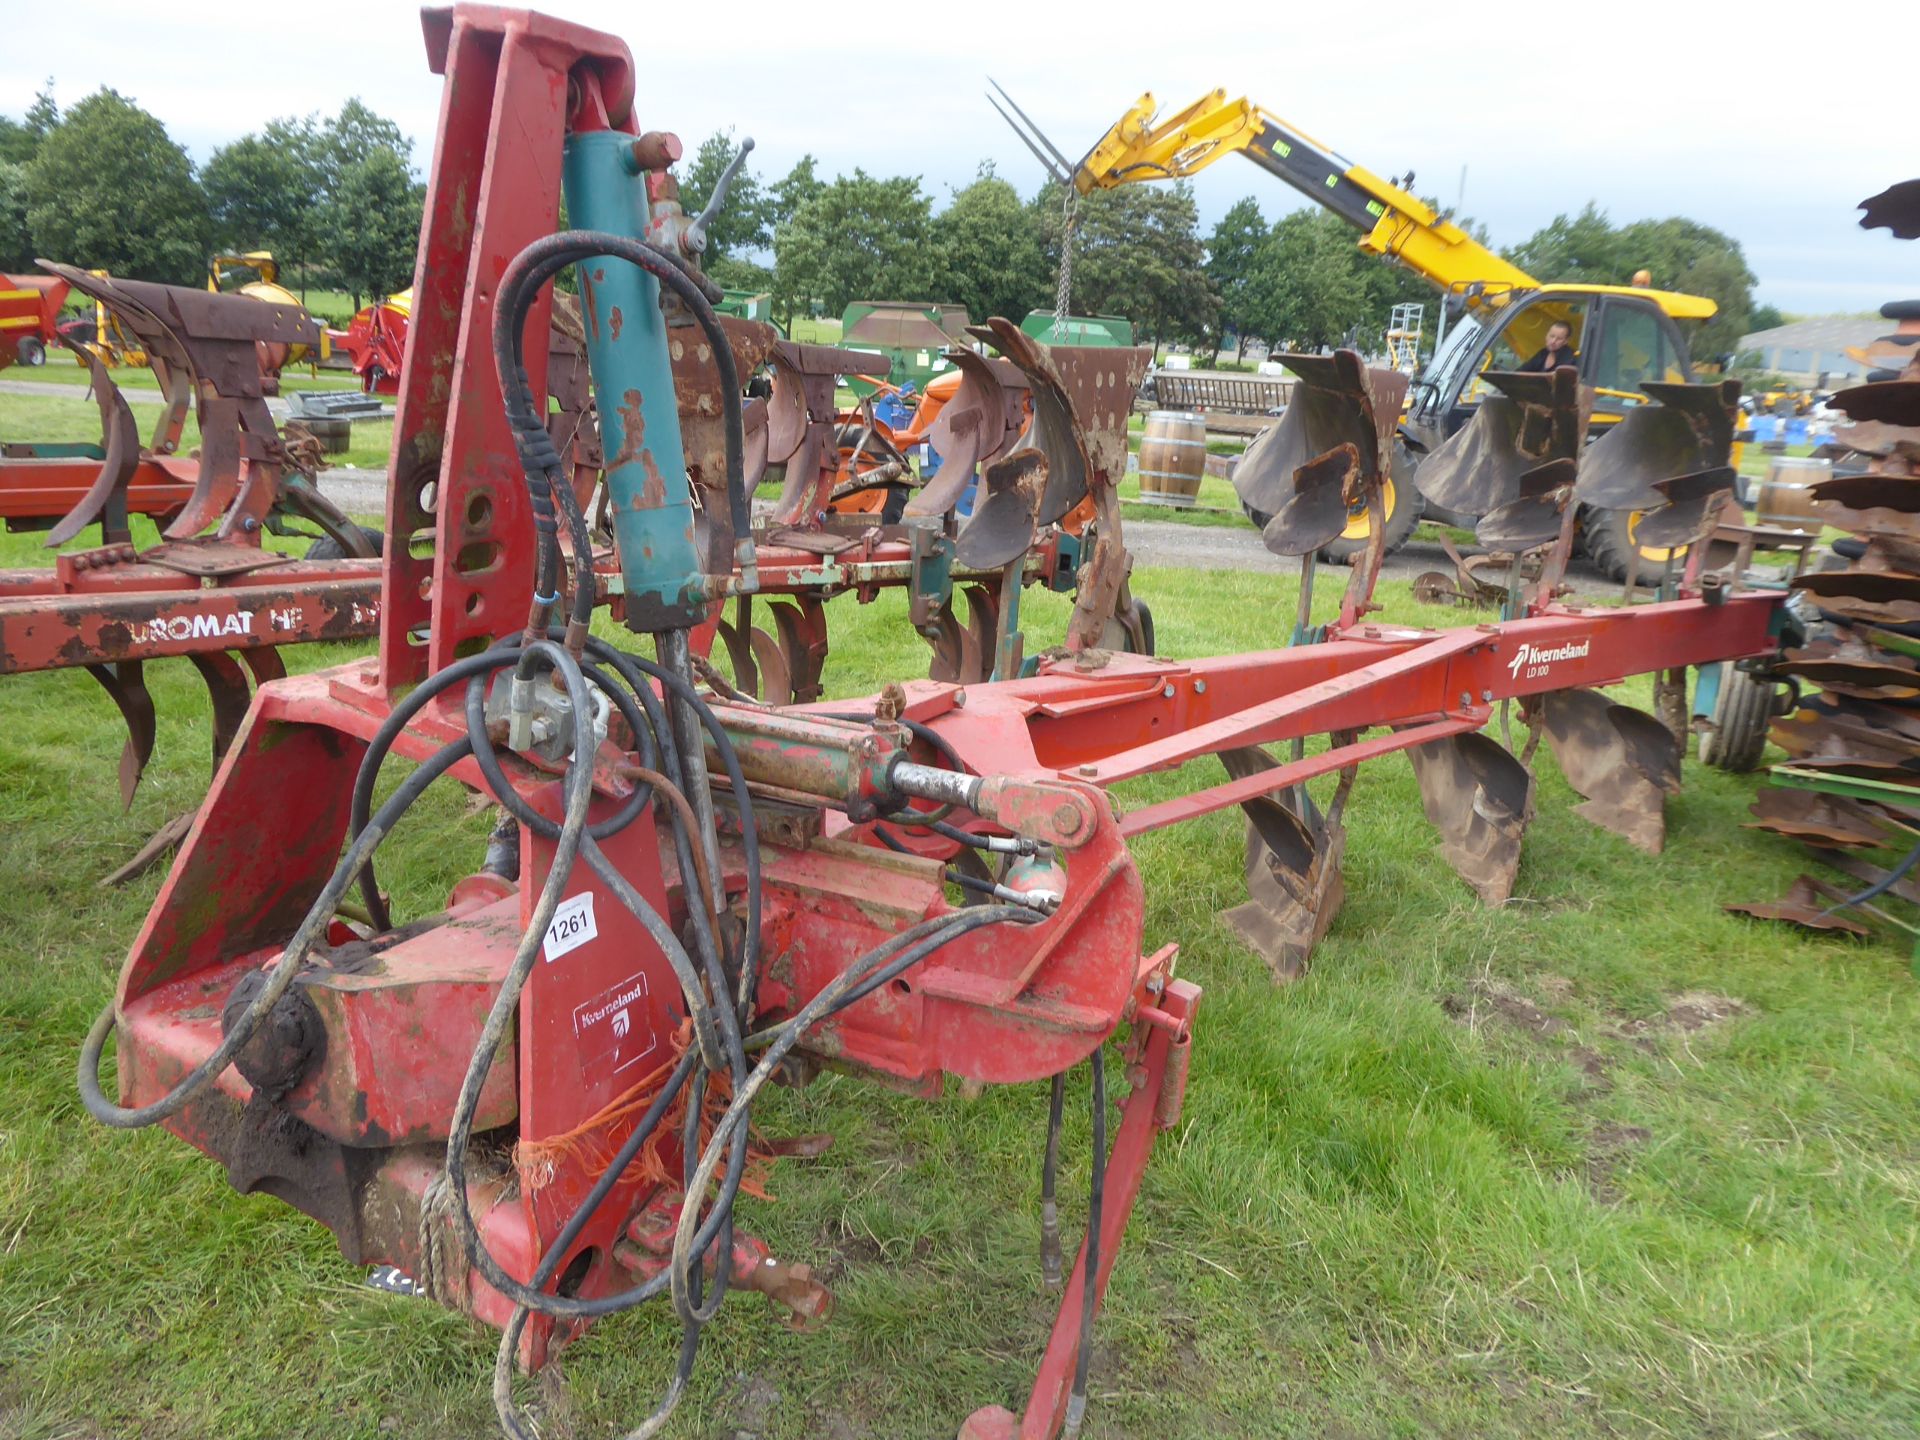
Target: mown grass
(48,418)
(1397,1204)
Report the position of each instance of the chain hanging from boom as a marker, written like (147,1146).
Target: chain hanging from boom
(1063,292)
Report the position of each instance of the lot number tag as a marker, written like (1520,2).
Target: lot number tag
(572,926)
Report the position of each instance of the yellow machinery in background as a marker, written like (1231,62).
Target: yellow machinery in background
(229,272)
(1497,314)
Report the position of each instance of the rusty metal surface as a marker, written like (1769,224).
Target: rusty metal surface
(1692,507)
(1339,401)
(1480,799)
(1292,870)
(1892,402)
(1805,905)
(1870,492)
(1623,761)
(1896,208)
(1818,819)
(106,498)
(983,416)
(1534,419)
(1533,518)
(1872,595)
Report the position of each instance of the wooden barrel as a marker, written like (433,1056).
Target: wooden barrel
(1173,456)
(1785,499)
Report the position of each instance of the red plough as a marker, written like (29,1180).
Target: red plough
(688,896)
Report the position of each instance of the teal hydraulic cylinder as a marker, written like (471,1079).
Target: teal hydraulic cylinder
(646,472)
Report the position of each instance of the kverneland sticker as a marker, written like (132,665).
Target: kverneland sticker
(1533,660)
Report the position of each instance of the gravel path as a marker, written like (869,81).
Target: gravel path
(1153,542)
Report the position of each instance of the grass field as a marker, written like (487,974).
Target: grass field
(54,417)
(1604,1162)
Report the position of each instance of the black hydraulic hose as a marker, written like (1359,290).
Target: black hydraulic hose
(571,246)
(1090,1281)
(1879,887)
(279,978)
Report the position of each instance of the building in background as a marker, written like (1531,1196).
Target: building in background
(1813,352)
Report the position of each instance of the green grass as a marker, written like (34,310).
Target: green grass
(62,369)
(54,417)
(1388,1210)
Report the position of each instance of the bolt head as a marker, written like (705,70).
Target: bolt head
(1067,819)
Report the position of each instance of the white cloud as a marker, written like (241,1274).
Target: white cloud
(1649,109)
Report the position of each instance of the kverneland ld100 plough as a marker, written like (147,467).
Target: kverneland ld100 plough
(534,1102)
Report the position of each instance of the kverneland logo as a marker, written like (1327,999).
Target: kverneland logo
(1532,659)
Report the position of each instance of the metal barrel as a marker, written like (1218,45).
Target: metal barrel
(1786,500)
(1173,456)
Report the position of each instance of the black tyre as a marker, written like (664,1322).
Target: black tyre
(1746,707)
(328,548)
(30,350)
(1403,503)
(1607,537)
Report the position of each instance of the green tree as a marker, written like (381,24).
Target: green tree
(794,189)
(1685,255)
(362,159)
(264,191)
(1309,290)
(1232,259)
(19,139)
(989,251)
(861,237)
(1681,254)
(1765,317)
(16,242)
(374,225)
(741,225)
(107,187)
(1137,253)
(736,274)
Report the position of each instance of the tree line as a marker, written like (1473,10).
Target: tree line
(338,202)
(104,186)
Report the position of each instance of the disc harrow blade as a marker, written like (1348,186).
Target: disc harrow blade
(1817,819)
(1892,402)
(1805,904)
(1480,799)
(1874,596)
(1294,886)
(125,684)
(1896,208)
(1621,760)
(1872,491)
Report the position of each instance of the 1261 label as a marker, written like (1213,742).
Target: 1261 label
(572,926)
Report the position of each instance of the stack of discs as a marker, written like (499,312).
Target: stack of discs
(1859,676)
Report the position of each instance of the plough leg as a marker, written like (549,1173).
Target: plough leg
(125,682)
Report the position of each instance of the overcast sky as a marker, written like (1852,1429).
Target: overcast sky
(1770,128)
